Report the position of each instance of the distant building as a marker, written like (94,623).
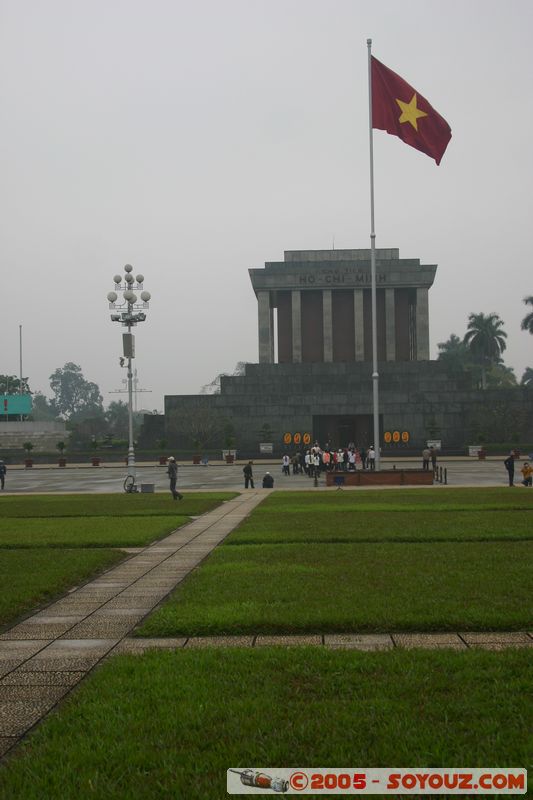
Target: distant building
(314,376)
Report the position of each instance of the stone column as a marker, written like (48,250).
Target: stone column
(296,327)
(272,342)
(359,325)
(422,325)
(327,318)
(265,328)
(390,325)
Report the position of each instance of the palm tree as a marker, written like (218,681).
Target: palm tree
(527,322)
(486,341)
(527,378)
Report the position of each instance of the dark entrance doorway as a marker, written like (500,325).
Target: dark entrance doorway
(340,429)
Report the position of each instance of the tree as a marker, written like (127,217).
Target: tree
(527,378)
(200,424)
(42,409)
(501,377)
(214,386)
(10,384)
(455,353)
(527,322)
(486,340)
(75,397)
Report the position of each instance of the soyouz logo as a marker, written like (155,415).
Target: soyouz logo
(405,781)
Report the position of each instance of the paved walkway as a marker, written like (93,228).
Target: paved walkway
(46,655)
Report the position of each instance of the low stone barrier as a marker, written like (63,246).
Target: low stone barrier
(385,477)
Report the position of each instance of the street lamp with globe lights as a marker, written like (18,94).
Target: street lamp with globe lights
(130,312)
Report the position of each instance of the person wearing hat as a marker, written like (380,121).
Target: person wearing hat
(268,481)
(2,473)
(172,472)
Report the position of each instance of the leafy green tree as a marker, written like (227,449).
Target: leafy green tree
(485,338)
(117,419)
(455,353)
(527,322)
(75,397)
(527,378)
(501,377)
(10,384)
(42,409)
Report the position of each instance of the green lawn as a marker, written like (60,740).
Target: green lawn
(402,499)
(170,724)
(46,540)
(353,587)
(350,524)
(31,577)
(86,531)
(111,505)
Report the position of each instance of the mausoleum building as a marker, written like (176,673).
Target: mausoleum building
(314,372)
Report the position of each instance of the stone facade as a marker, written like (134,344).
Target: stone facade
(314,319)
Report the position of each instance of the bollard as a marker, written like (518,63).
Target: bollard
(446,476)
(440,478)
(316,478)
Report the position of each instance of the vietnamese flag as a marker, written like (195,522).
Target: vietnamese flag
(400,110)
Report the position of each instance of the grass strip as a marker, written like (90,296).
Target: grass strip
(30,578)
(86,531)
(402,499)
(76,505)
(345,525)
(170,724)
(353,587)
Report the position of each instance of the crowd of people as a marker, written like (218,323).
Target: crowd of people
(329,459)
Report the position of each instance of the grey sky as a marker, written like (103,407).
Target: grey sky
(197,139)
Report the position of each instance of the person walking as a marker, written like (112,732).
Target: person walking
(172,472)
(3,471)
(426,455)
(509,466)
(248,475)
(285,464)
(371,458)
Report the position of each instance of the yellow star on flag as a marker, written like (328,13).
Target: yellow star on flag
(410,113)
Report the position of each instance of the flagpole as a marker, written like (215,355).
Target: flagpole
(375,374)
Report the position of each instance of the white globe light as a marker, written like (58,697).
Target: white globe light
(128,278)
(145,296)
(128,268)
(140,278)
(111,296)
(133,298)
(128,295)
(117,278)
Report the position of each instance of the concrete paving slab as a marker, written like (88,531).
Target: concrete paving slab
(8,665)
(287,641)
(219,641)
(18,717)
(97,627)
(34,630)
(363,647)
(501,645)
(61,664)
(140,646)
(31,693)
(21,678)
(6,742)
(511,637)
(22,649)
(427,640)
(362,640)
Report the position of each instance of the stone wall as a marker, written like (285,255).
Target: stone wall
(425,399)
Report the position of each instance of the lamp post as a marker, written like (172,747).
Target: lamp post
(129,315)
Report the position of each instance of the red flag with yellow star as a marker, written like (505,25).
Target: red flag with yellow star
(400,110)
